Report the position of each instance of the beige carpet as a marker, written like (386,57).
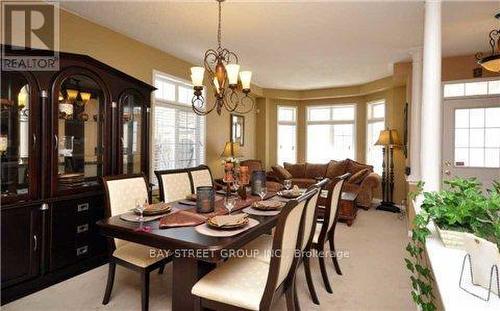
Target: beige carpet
(374,277)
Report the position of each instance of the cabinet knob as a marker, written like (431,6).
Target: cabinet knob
(35,243)
(44,207)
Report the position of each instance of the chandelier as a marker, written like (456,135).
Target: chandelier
(223,70)
(492,61)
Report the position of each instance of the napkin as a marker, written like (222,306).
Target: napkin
(181,219)
(224,220)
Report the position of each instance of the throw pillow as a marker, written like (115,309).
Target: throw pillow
(358,177)
(297,170)
(335,169)
(281,172)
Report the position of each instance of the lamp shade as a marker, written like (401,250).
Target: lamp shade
(72,94)
(245,77)
(85,97)
(232,73)
(231,150)
(197,75)
(388,138)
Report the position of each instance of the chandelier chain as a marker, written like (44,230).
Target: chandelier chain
(219,31)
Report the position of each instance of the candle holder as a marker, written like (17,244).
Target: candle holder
(258,181)
(205,199)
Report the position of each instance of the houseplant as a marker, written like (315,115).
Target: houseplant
(461,207)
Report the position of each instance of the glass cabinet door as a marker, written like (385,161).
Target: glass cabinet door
(131,133)
(15,133)
(79,133)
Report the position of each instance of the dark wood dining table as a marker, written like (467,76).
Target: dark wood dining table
(194,254)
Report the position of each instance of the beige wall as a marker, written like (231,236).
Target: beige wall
(81,36)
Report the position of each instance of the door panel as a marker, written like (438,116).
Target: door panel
(471,139)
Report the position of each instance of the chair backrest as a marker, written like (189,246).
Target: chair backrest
(174,184)
(331,208)
(310,212)
(287,236)
(253,165)
(122,193)
(200,177)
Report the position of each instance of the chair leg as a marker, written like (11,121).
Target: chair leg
(334,257)
(109,285)
(296,298)
(310,284)
(322,267)
(290,301)
(145,291)
(162,268)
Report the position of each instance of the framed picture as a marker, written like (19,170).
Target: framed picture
(237,129)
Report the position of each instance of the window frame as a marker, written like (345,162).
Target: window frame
(371,119)
(172,105)
(467,81)
(278,123)
(354,122)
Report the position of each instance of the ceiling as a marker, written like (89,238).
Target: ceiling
(296,45)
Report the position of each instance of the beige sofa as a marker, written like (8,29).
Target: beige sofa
(362,181)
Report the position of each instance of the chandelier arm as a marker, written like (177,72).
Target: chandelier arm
(493,42)
(230,107)
(197,104)
(246,99)
(233,100)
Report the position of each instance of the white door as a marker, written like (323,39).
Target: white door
(471,139)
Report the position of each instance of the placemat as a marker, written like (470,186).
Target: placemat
(206,230)
(131,216)
(253,211)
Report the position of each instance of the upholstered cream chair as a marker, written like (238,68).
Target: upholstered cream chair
(326,231)
(201,177)
(251,284)
(174,184)
(121,195)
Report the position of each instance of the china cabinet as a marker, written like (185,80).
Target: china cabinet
(60,133)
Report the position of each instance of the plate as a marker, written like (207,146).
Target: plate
(227,227)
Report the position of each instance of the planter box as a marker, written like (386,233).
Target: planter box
(451,239)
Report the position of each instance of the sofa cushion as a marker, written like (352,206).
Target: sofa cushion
(297,170)
(358,177)
(353,167)
(336,168)
(315,170)
(303,182)
(281,173)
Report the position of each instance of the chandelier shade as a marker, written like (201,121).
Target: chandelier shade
(223,70)
(492,61)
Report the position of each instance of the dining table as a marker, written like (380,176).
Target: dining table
(193,254)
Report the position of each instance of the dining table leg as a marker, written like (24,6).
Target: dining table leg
(186,272)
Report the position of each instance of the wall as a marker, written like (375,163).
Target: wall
(81,36)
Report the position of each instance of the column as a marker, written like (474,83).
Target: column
(415,114)
(431,98)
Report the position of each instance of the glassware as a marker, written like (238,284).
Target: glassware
(236,185)
(229,203)
(262,193)
(288,184)
(140,205)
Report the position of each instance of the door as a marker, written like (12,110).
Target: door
(471,139)
(131,130)
(21,243)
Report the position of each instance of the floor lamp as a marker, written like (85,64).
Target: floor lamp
(388,139)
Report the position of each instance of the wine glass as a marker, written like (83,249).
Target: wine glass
(262,193)
(288,184)
(140,205)
(236,185)
(229,203)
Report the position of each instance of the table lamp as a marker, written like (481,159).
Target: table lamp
(388,139)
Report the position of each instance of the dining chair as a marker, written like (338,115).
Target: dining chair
(326,232)
(174,184)
(244,283)
(121,195)
(201,176)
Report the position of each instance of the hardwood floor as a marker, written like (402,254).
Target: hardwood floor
(374,277)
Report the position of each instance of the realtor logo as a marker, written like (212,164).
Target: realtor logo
(30,25)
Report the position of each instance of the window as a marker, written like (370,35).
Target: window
(376,123)
(475,88)
(287,134)
(179,133)
(330,133)
(477,137)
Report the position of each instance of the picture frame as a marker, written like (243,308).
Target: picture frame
(237,128)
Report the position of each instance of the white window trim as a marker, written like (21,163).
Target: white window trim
(354,122)
(374,120)
(169,104)
(278,123)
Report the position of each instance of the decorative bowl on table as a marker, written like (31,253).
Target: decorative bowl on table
(228,222)
(155,209)
(269,205)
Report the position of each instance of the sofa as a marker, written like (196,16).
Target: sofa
(362,181)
